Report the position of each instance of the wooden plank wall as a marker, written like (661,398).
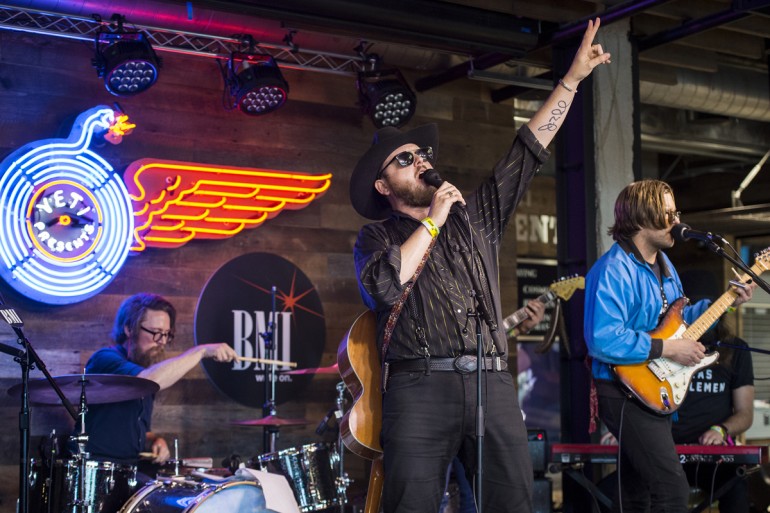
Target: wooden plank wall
(46,82)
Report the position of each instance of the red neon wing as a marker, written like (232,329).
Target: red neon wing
(175,202)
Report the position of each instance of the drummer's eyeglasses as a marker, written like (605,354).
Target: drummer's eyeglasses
(157,336)
(406,158)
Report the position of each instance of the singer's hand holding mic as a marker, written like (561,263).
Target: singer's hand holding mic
(445,196)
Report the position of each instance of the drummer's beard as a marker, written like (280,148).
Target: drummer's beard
(147,358)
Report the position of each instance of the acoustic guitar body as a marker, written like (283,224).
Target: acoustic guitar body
(359,366)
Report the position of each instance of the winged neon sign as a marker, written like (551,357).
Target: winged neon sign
(175,202)
(68,220)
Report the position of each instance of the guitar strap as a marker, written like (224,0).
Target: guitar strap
(390,325)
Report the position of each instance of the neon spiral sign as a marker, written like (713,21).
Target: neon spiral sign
(66,220)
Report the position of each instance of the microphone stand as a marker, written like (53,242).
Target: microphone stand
(742,348)
(27,359)
(481,313)
(342,477)
(719,250)
(270,433)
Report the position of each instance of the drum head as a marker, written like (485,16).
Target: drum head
(189,497)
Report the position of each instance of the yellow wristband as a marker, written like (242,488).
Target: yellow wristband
(721,430)
(431,226)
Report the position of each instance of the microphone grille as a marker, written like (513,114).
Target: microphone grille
(678,231)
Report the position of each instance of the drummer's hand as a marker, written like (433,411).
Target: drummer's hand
(219,352)
(160,451)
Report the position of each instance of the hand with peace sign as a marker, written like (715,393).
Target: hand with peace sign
(549,118)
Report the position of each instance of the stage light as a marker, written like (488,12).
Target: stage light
(254,84)
(387,101)
(125,59)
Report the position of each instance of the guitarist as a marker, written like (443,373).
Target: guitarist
(627,291)
(429,364)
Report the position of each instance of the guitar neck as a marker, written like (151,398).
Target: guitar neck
(521,314)
(696,330)
(720,306)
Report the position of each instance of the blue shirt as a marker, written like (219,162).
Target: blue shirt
(117,431)
(624,302)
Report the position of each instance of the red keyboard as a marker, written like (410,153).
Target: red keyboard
(595,453)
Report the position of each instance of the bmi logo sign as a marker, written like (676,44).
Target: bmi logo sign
(236,307)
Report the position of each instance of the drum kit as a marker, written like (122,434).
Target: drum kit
(314,472)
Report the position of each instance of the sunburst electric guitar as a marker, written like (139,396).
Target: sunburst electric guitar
(563,288)
(661,384)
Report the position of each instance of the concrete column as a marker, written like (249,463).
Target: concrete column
(616,133)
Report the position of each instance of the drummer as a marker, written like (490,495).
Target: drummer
(143,326)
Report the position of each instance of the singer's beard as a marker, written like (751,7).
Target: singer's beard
(413,195)
(147,358)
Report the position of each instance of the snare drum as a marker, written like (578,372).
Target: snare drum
(190,496)
(106,487)
(311,472)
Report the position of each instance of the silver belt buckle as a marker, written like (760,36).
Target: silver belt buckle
(465,364)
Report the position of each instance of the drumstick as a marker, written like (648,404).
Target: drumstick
(264,360)
(146,455)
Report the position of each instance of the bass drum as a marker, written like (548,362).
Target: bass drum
(190,496)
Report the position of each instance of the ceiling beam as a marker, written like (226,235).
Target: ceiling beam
(737,11)
(564,33)
(429,23)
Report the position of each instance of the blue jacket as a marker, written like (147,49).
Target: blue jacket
(623,303)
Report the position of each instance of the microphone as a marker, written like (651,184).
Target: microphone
(683,232)
(431,177)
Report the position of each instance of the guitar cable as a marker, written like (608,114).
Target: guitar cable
(620,446)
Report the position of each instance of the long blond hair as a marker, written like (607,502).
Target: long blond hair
(640,205)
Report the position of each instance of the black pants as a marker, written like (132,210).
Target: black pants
(428,419)
(652,478)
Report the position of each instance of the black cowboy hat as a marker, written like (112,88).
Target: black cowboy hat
(364,197)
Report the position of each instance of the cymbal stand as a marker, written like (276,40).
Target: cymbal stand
(270,433)
(81,502)
(176,461)
(343,481)
(27,360)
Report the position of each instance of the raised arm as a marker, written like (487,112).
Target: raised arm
(549,118)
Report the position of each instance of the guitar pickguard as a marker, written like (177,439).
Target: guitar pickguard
(678,376)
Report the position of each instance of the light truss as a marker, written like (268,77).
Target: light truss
(175,41)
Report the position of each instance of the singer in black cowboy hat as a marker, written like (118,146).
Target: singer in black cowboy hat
(429,400)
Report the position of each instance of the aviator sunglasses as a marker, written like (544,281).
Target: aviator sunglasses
(406,158)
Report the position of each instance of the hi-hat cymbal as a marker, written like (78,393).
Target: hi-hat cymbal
(271,420)
(332,369)
(100,388)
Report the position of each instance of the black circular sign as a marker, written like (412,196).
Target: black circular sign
(236,307)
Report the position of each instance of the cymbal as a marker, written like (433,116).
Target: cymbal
(271,420)
(332,369)
(100,388)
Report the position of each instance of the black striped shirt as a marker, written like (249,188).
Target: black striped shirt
(443,289)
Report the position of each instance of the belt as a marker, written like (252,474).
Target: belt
(464,364)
